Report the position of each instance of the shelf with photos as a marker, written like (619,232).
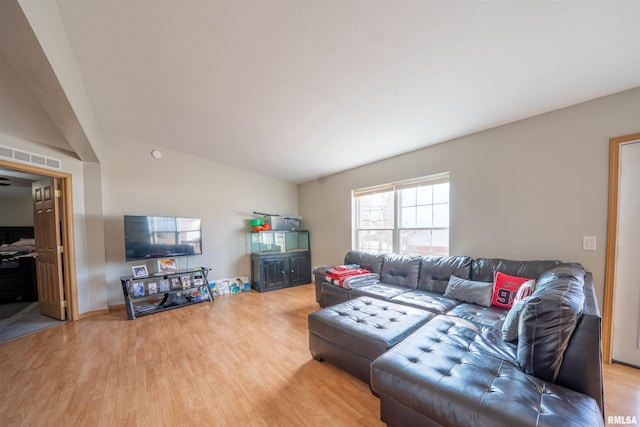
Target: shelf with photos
(146,293)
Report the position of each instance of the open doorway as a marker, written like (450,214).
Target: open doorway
(621,319)
(23,292)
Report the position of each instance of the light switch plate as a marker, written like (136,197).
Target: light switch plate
(588,243)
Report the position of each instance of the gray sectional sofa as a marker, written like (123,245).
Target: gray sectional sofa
(434,360)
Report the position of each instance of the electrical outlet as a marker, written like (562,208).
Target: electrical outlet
(588,243)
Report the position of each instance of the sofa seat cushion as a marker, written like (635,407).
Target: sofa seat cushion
(379,290)
(487,316)
(425,300)
(445,372)
(445,332)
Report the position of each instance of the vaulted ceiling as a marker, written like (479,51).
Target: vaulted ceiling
(303,89)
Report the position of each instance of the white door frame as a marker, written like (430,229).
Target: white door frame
(612,239)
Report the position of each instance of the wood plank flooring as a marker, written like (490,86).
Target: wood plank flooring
(241,361)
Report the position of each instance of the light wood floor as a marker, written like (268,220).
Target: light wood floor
(241,361)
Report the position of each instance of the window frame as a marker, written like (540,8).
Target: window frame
(396,189)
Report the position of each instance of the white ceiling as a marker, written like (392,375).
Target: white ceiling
(301,89)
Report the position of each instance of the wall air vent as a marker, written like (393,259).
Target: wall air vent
(6,152)
(12,154)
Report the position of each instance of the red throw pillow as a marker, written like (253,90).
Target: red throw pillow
(505,288)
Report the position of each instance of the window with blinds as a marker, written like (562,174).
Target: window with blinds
(408,217)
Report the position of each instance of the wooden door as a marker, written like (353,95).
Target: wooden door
(626,310)
(48,248)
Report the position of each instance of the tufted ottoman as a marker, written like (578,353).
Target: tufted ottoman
(352,334)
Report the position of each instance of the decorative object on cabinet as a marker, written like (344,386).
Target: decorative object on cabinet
(177,289)
(167,265)
(139,271)
(279,259)
(275,222)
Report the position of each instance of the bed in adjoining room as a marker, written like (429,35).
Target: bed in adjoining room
(17,264)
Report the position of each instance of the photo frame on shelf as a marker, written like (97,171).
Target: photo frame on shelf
(152,288)
(186,281)
(175,283)
(167,265)
(164,285)
(138,289)
(139,271)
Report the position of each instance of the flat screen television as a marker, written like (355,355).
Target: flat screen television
(148,237)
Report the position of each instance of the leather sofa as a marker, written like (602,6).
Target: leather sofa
(456,369)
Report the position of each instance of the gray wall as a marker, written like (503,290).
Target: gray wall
(526,190)
(177,184)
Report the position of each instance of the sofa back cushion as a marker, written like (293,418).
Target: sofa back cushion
(400,270)
(581,368)
(482,269)
(372,262)
(548,319)
(435,271)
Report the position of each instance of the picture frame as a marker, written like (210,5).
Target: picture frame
(233,285)
(167,265)
(152,288)
(213,287)
(186,281)
(138,289)
(139,271)
(175,283)
(164,285)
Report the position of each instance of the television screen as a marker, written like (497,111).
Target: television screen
(147,237)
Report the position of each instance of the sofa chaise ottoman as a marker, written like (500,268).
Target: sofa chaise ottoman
(354,333)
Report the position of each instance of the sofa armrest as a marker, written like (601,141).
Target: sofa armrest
(318,278)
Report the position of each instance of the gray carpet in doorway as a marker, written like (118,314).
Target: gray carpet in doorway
(10,309)
(25,322)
